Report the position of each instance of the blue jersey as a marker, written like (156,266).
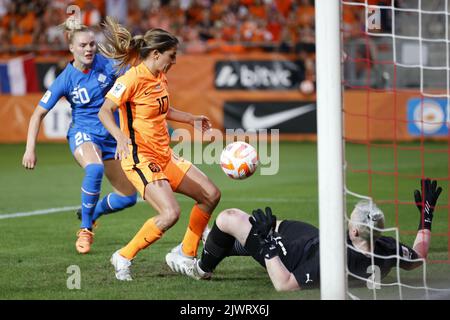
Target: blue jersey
(85,92)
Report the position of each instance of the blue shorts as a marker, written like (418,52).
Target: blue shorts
(78,136)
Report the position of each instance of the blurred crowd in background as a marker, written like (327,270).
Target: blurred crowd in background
(203,25)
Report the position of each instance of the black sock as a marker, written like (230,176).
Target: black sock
(217,246)
(253,247)
(238,250)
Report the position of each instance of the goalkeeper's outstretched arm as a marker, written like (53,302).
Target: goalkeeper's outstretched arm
(426,205)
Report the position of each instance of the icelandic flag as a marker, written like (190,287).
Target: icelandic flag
(18,76)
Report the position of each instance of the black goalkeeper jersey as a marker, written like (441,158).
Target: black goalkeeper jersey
(302,244)
(385,257)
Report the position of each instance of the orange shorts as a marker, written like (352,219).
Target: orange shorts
(145,172)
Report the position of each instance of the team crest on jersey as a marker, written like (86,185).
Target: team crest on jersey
(118,89)
(154,167)
(101,78)
(46,96)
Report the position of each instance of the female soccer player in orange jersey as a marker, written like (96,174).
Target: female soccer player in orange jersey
(142,96)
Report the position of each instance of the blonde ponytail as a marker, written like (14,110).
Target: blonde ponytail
(128,50)
(120,45)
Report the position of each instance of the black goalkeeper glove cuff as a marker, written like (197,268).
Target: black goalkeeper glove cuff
(273,246)
(427,203)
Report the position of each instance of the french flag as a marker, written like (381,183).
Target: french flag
(18,76)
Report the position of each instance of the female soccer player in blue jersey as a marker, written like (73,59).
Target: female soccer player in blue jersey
(84,83)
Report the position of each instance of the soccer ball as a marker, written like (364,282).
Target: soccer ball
(239,160)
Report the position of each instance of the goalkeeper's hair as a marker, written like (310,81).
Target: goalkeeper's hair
(366,216)
(71,27)
(127,49)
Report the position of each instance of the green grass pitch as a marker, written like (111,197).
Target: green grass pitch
(36,251)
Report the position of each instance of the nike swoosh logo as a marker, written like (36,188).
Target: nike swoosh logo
(251,121)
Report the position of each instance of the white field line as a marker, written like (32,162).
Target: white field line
(37,212)
(73,208)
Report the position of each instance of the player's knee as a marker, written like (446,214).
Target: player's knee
(228,218)
(214,195)
(211,197)
(169,216)
(94,170)
(93,176)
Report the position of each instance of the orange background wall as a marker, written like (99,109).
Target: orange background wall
(373,116)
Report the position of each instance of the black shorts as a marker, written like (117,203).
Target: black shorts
(301,241)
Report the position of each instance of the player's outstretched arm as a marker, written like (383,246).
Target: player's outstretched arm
(426,203)
(201,122)
(29,159)
(106,116)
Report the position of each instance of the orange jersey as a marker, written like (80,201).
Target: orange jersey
(143,100)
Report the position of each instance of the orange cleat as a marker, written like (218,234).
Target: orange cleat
(84,241)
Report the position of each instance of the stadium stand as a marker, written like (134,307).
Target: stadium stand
(203,25)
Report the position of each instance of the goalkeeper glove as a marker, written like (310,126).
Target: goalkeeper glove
(430,196)
(264,224)
(272,246)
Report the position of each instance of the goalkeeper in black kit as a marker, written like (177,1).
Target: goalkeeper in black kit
(289,250)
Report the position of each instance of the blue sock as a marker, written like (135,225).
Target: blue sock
(90,192)
(113,202)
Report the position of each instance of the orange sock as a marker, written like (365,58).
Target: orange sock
(148,234)
(197,223)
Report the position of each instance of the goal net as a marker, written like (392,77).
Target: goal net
(395,101)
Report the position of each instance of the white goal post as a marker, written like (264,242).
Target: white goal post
(406,50)
(330,150)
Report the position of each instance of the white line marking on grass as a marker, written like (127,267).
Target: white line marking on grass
(37,212)
(71,208)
